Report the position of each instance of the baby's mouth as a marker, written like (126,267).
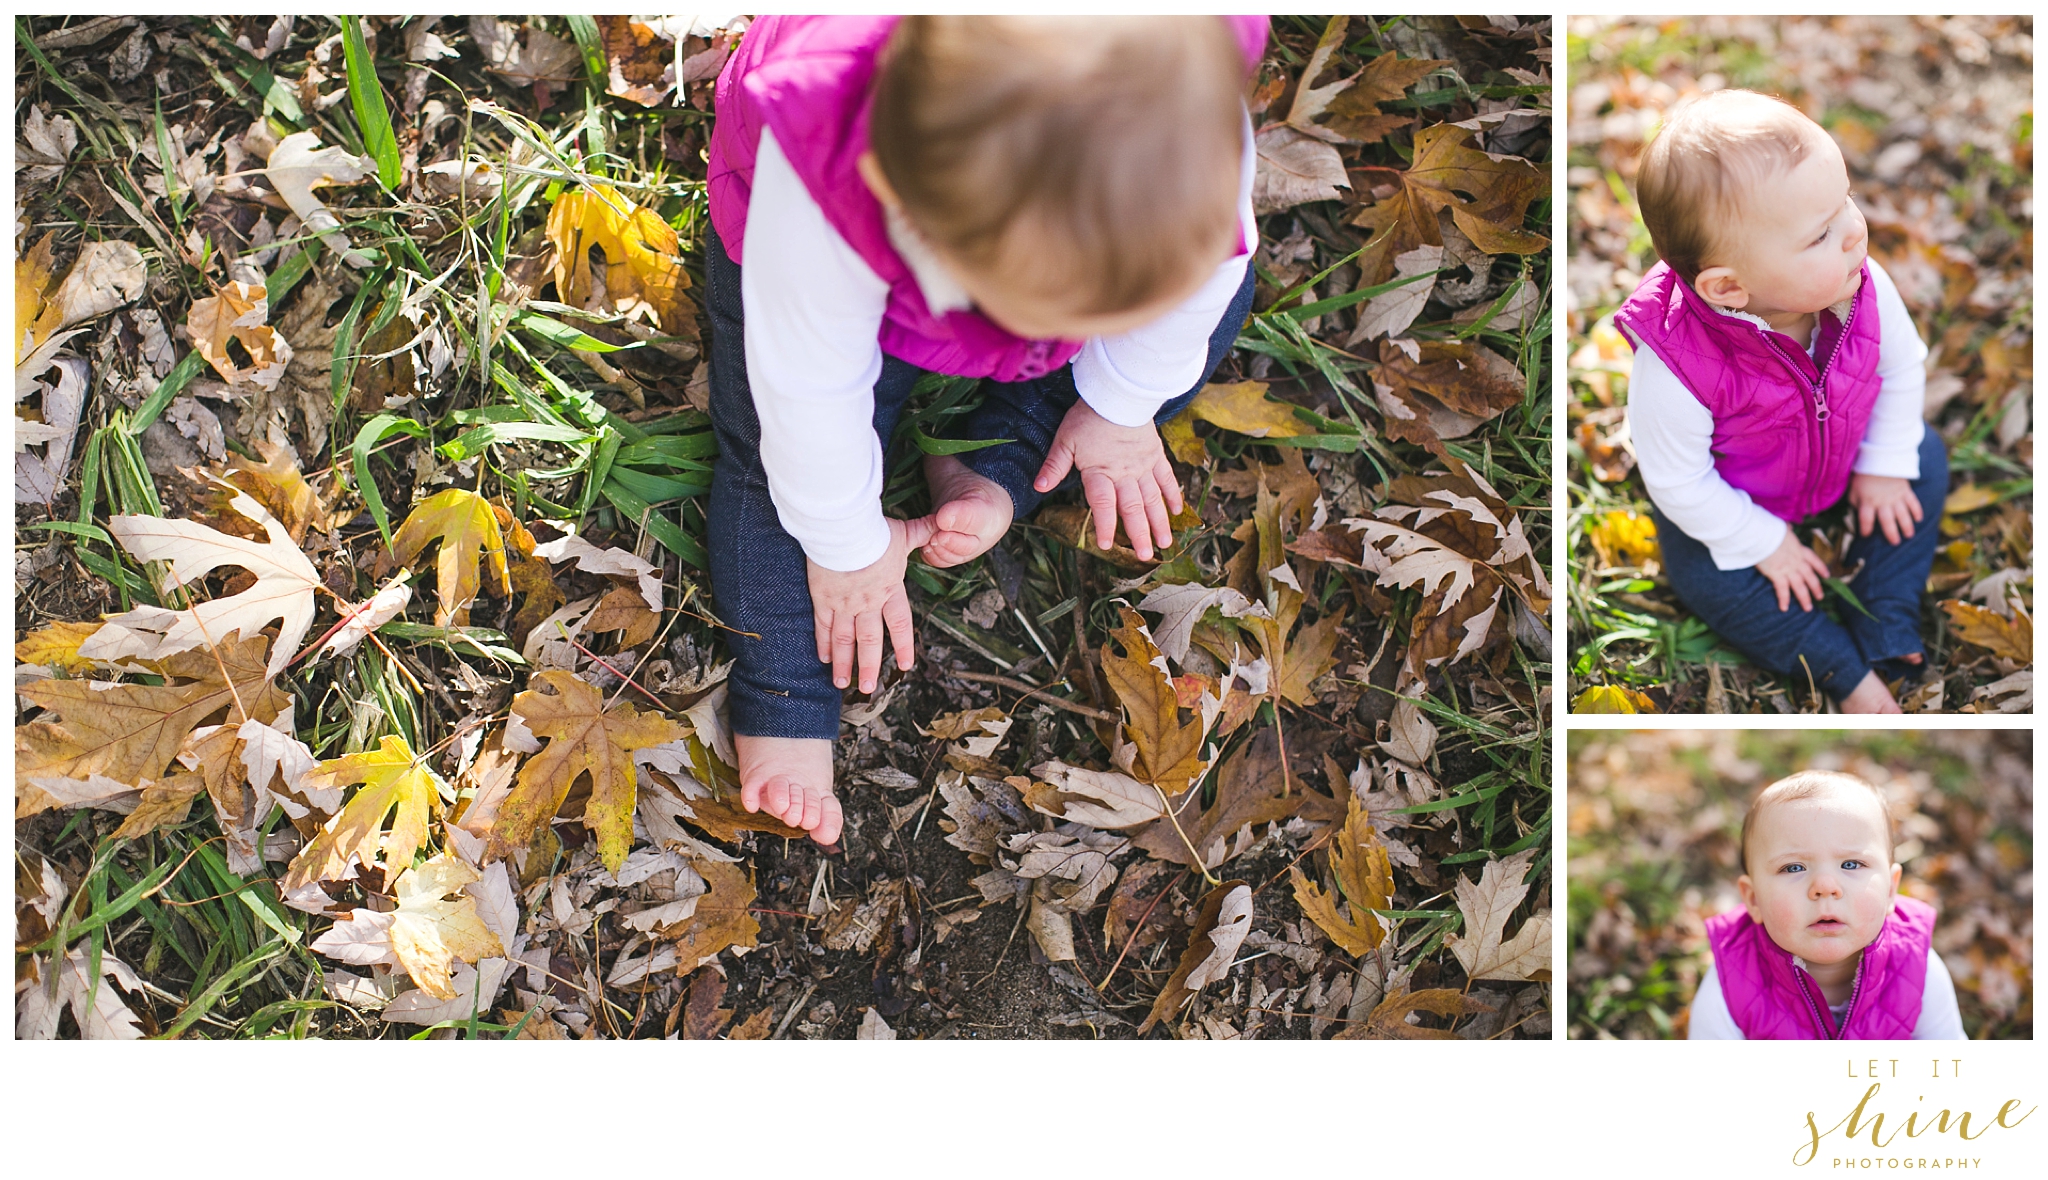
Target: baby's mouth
(1828,925)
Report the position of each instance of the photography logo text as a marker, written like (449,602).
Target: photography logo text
(1914,1114)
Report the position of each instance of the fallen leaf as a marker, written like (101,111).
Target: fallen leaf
(1969,498)
(393,780)
(1169,751)
(623,610)
(583,738)
(608,562)
(106,274)
(1180,607)
(1365,880)
(641,57)
(297,166)
(1389,314)
(1249,791)
(428,932)
(2008,638)
(1446,389)
(362,618)
(1624,539)
(1311,100)
(279,485)
(56,646)
(529,575)
(41,478)
(1219,929)
(1105,799)
(723,918)
(1612,698)
(1486,908)
(1355,114)
(1445,166)
(468,531)
(239,313)
(283,590)
(874,1028)
(545,62)
(1244,408)
(1294,168)
(1389,1020)
(703,1019)
(131,732)
(94,1004)
(643,276)
(1411,737)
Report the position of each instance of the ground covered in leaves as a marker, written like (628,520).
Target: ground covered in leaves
(1935,119)
(367,685)
(1655,847)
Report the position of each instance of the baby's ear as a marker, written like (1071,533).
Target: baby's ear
(1747,888)
(1897,871)
(1719,286)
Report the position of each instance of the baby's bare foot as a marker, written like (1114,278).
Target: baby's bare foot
(1915,658)
(973,514)
(790,779)
(1871,696)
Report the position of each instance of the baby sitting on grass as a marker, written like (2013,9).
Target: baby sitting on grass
(1824,947)
(1776,373)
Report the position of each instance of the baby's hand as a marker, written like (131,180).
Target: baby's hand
(1795,571)
(1889,501)
(850,610)
(1124,474)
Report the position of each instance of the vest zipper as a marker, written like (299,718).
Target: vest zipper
(1820,388)
(1818,1017)
(1855,988)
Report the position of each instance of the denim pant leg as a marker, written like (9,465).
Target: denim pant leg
(778,687)
(1894,577)
(1741,606)
(1030,412)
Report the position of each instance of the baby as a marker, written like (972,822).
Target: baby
(1824,948)
(1062,206)
(1777,370)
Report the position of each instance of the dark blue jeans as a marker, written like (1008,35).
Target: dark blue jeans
(1743,608)
(779,687)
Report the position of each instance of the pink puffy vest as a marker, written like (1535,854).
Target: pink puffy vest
(1785,430)
(808,79)
(1771,999)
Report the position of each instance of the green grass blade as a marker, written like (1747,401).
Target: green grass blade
(561,335)
(203,1002)
(953,446)
(367,97)
(367,438)
(173,384)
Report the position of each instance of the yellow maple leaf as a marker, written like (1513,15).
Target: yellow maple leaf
(1169,751)
(31,282)
(1612,698)
(1243,407)
(583,737)
(2012,638)
(392,778)
(1624,538)
(431,930)
(56,646)
(1365,878)
(468,531)
(239,312)
(644,274)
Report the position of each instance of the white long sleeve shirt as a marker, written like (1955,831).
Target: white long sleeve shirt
(1674,435)
(1940,1018)
(813,323)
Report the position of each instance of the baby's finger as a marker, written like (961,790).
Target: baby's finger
(1808,588)
(1155,512)
(1864,514)
(1913,506)
(1169,486)
(896,614)
(1130,503)
(821,625)
(1100,493)
(1057,462)
(1782,587)
(867,633)
(1905,513)
(1891,519)
(842,650)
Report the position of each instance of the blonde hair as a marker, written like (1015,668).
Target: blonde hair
(1121,138)
(1806,784)
(1707,153)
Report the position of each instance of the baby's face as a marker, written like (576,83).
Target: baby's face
(1800,241)
(1820,878)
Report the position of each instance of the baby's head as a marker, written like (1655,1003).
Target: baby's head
(1748,200)
(1078,176)
(1817,864)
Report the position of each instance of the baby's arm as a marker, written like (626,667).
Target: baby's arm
(1710,1019)
(1940,1018)
(813,320)
(1889,460)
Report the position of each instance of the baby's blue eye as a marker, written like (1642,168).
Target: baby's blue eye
(1852,864)
(1793,868)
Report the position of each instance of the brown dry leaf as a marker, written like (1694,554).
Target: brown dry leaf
(1169,752)
(528,575)
(278,485)
(1312,652)
(1311,100)
(624,610)
(1445,165)
(2011,639)
(1447,390)
(642,60)
(1452,537)
(1365,879)
(239,313)
(56,646)
(703,1019)
(754,1028)
(164,804)
(1249,790)
(1355,114)
(1219,929)
(723,917)
(1294,168)
(1389,1021)
(583,738)
(1482,951)
(130,732)
(468,531)
(644,275)
(1105,799)
(105,275)
(393,779)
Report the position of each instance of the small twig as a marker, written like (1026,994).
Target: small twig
(1133,939)
(793,1009)
(601,662)
(1038,693)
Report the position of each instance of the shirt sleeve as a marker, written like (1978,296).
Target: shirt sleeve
(1710,1019)
(813,327)
(1673,435)
(1940,1018)
(1891,443)
(1127,377)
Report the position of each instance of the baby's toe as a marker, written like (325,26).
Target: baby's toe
(826,830)
(775,795)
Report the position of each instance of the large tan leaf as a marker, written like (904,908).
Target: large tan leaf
(1169,751)
(297,166)
(2012,638)
(1311,100)
(1249,791)
(105,275)
(239,313)
(1445,165)
(1365,879)
(642,58)
(283,589)
(1355,114)
(1482,950)
(644,275)
(1446,390)
(1293,169)
(427,934)
(724,916)
(392,778)
(1106,799)
(583,738)
(1243,407)
(468,531)
(1220,927)
(131,732)
(1389,1021)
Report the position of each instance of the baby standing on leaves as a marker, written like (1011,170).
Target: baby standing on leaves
(1061,207)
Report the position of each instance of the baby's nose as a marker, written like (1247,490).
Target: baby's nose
(1825,885)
